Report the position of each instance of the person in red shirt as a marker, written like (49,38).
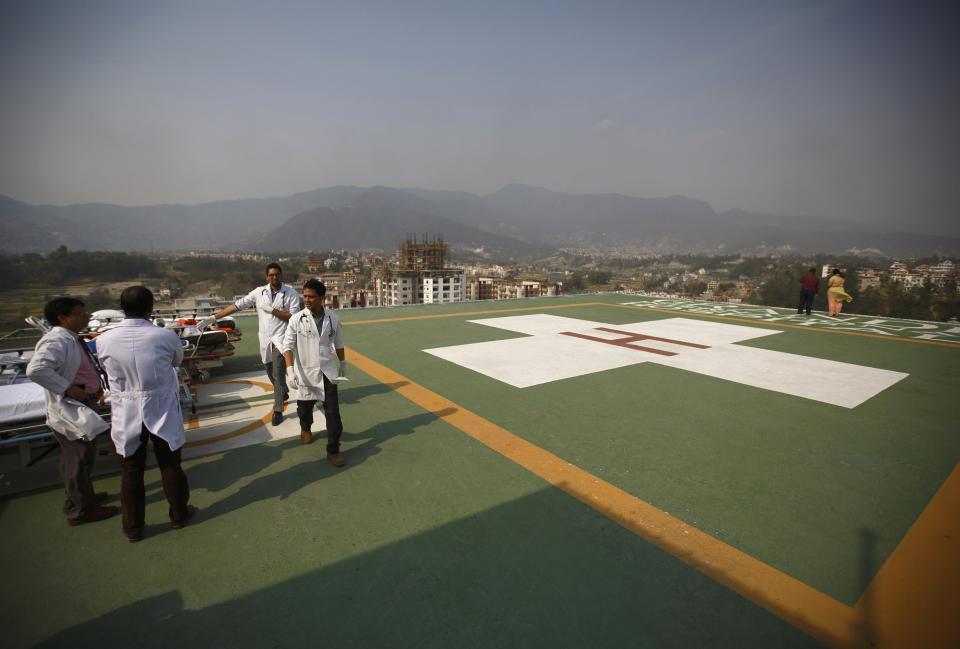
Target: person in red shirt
(809,288)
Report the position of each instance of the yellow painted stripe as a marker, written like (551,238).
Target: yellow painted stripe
(914,600)
(233,433)
(787,325)
(263,385)
(790,599)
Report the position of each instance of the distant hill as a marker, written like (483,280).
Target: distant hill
(681,224)
(382,218)
(40,228)
(675,224)
(515,221)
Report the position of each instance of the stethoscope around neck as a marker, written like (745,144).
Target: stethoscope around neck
(309,330)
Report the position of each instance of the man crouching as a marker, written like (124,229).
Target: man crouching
(316,336)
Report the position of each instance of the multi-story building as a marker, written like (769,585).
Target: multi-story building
(913,280)
(421,278)
(898,271)
(869,278)
(495,288)
(445,285)
(945,267)
(942,273)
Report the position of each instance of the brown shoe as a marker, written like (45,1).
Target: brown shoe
(336,459)
(306,436)
(68,506)
(98,514)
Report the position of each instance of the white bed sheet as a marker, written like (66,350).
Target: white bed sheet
(21,402)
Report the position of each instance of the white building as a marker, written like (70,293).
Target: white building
(420,287)
(441,287)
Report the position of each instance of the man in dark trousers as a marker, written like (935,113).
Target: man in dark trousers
(140,359)
(275,301)
(809,288)
(315,360)
(66,370)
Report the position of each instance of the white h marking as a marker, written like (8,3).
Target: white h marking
(558,348)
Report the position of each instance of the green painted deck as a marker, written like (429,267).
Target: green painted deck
(428,538)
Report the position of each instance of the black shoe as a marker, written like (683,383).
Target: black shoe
(98,514)
(179,525)
(69,506)
(277,418)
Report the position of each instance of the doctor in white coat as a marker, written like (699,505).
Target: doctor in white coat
(63,366)
(315,360)
(274,301)
(140,360)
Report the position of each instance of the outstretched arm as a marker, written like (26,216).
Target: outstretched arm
(225,311)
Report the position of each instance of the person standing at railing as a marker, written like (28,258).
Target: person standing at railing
(275,301)
(836,295)
(809,288)
(64,367)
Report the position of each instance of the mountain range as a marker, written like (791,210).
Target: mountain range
(515,222)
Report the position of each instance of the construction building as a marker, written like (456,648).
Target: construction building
(421,277)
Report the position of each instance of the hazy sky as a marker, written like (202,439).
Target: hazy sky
(845,109)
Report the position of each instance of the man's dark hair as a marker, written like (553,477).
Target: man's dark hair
(60,306)
(315,285)
(136,301)
(812,270)
(273,264)
(836,271)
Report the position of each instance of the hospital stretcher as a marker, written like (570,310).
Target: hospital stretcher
(23,407)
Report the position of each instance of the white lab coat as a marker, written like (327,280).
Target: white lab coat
(140,360)
(314,352)
(53,366)
(270,328)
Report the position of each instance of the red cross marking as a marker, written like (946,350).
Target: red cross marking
(629,338)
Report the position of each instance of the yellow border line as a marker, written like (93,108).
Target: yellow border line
(234,433)
(790,599)
(910,602)
(914,599)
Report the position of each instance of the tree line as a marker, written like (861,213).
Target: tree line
(63,266)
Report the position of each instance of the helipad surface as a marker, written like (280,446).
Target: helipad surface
(582,471)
